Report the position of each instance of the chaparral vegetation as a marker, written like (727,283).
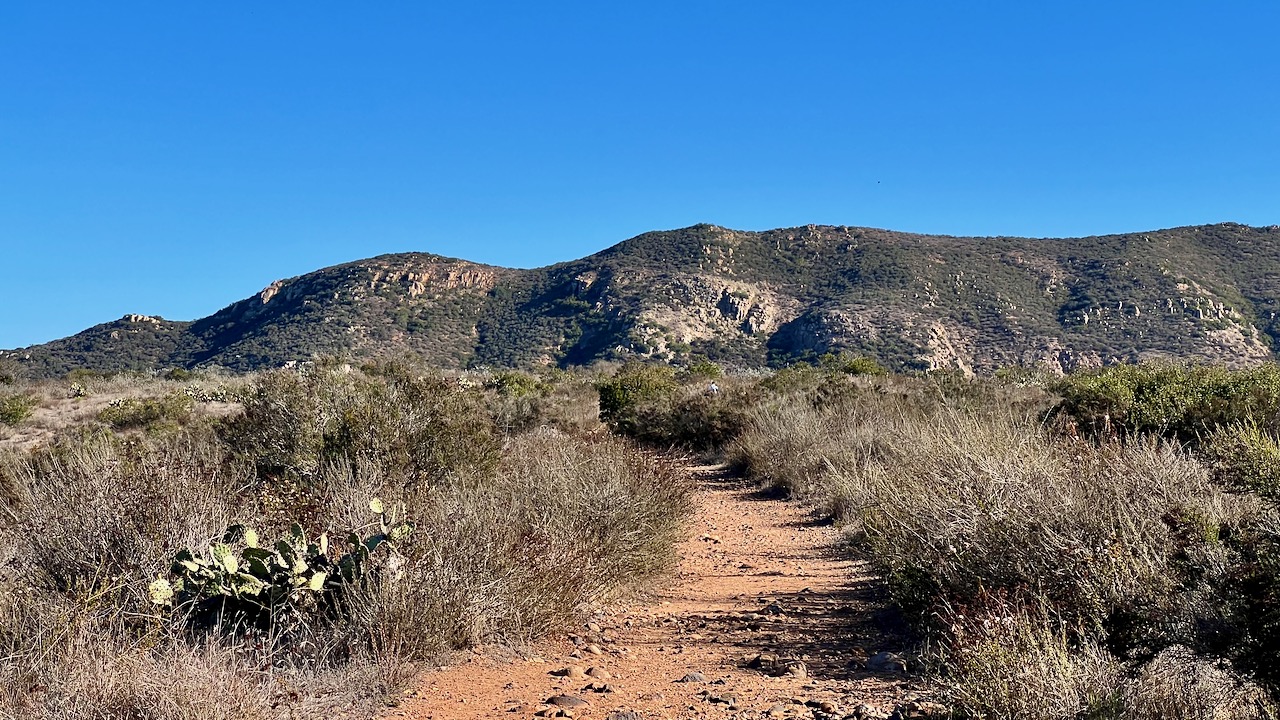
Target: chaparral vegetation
(298,541)
(1104,545)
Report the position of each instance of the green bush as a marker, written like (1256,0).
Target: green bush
(631,385)
(704,370)
(82,375)
(514,384)
(1183,401)
(421,428)
(1246,456)
(15,409)
(127,413)
(518,400)
(649,404)
(693,418)
(852,364)
(179,374)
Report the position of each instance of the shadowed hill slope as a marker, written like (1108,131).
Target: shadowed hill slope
(748,298)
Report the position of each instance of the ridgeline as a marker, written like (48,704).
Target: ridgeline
(1207,293)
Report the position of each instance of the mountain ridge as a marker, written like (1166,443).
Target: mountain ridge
(748,298)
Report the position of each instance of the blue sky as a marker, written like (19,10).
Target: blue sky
(171,157)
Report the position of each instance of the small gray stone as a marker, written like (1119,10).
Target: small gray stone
(693,677)
(887,662)
(566,702)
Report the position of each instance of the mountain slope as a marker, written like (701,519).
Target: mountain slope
(916,301)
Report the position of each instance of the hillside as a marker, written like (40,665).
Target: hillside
(748,298)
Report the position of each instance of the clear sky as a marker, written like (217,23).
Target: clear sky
(169,158)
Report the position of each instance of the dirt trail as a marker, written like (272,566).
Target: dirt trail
(758,580)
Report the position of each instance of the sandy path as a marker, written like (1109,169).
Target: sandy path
(756,577)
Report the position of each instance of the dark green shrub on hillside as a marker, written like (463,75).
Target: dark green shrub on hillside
(693,418)
(817,386)
(515,400)
(179,374)
(81,375)
(1182,401)
(704,370)
(633,384)
(422,428)
(852,364)
(794,379)
(649,404)
(515,384)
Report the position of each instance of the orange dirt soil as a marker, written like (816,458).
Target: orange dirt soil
(764,617)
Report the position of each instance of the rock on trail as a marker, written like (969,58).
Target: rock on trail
(763,618)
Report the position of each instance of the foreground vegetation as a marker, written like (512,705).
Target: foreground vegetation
(1101,546)
(297,542)
(1104,546)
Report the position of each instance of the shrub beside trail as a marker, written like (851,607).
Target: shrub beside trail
(1046,575)
(516,530)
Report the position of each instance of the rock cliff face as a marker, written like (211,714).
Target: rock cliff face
(750,298)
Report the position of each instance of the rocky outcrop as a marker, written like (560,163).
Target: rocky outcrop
(132,318)
(420,278)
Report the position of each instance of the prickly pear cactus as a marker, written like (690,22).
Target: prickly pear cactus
(243,579)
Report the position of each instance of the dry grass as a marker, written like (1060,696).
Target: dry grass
(1014,663)
(516,535)
(1179,685)
(1038,567)
(565,524)
(61,405)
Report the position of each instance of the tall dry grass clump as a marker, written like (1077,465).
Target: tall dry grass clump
(95,521)
(1016,662)
(565,524)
